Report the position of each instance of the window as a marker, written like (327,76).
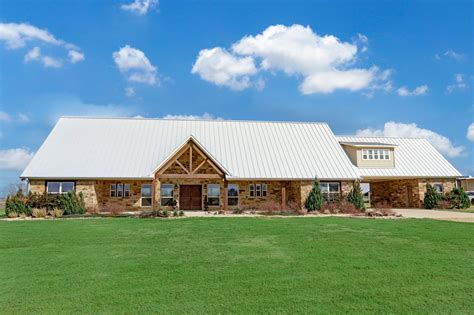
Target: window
(59,187)
(146,195)
(438,188)
(330,191)
(233,195)
(252,190)
(258,190)
(119,190)
(213,193)
(376,154)
(166,194)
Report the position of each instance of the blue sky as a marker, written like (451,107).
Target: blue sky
(368,67)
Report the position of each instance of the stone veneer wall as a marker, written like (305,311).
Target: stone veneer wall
(306,187)
(396,192)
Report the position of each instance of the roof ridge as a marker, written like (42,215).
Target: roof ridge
(190,119)
(374,137)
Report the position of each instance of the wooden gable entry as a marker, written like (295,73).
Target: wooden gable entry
(190,163)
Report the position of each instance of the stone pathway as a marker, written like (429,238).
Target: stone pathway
(437,215)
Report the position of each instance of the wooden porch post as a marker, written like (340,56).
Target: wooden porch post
(283,197)
(226,197)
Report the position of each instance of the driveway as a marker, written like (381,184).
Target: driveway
(436,214)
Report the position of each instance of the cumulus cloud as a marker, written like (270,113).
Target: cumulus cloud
(35,55)
(220,67)
(130,91)
(396,129)
(205,116)
(18,35)
(140,7)
(459,83)
(470,132)
(420,90)
(136,65)
(324,62)
(15,159)
(75,56)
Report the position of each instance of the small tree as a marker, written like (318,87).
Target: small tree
(355,196)
(432,197)
(314,201)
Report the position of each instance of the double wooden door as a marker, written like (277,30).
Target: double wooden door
(190,197)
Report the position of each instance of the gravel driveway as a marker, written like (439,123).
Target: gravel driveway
(436,214)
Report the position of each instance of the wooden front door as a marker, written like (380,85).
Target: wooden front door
(190,197)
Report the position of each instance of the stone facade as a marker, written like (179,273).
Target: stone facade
(306,186)
(405,193)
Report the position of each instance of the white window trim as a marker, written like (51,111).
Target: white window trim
(381,154)
(60,187)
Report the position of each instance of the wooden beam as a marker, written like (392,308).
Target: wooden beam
(226,200)
(190,158)
(182,166)
(283,198)
(199,166)
(210,162)
(190,176)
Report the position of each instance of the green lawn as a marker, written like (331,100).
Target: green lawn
(237,265)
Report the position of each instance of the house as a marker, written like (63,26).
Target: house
(223,164)
(467,183)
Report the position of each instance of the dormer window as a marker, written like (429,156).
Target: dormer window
(375,154)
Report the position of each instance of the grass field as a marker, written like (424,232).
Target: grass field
(239,265)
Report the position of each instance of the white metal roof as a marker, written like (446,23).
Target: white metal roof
(413,158)
(132,148)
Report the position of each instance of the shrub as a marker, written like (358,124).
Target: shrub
(114,209)
(175,213)
(432,197)
(314,201)
(355,196)
(73,203)
(39,212)
(165,213)
(444,204)
(17,203)
(330,208)
(181,213)
(238,211)
(269,207)
(458,198)
(12,214)
(348,208)
(58,213)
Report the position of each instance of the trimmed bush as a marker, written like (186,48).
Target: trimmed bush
(355,196)
(432,197)
(315,200)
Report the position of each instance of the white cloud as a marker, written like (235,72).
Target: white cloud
(205,116)
(75,56)
(5,117)
(218,66)
(140,7)
(15,159)
(453,55)
(395,129)
(458,84)
(130,91)
(325,62)
(420,90)
(35,55)
(18,35)
(470,132)
(133,62)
